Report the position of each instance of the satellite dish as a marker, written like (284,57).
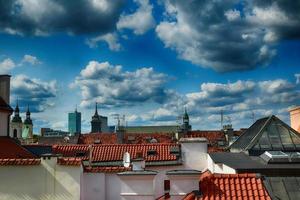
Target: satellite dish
(126,159)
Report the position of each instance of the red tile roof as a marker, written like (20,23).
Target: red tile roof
(12,153)
(230,186)
(70,150)
(109,169)
(212,136)
(72,154)
(116,152)
(101,138)
(143,138)
(72,161)
(20,161)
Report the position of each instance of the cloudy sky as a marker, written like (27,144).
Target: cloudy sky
(150,59)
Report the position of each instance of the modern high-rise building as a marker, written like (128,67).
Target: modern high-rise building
(74,122)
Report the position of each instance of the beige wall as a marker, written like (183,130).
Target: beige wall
(47,181)
(295,118)
(3,123)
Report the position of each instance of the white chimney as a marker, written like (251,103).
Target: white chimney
(5,88)
(194,153)
(138,164)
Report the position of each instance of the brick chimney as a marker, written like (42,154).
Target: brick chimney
(5,87)
(295,118)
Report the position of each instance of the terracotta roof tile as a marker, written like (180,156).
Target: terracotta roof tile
(20,161)
(73,161)
(230,186)
(100,138)
(109,169)
(113,152)
(212,136)
(144,138)
(116,152)
(9,148)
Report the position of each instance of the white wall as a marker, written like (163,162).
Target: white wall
(180,185)
(194,153)
(3,123)
(219,168)
(47,181)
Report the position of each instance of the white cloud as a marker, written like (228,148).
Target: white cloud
(232,15)
(30,60)
(140,21)
(111,86)
(110,38)
(6,66)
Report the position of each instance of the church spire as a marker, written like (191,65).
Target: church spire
(28,119)
(96,109)
(17,117)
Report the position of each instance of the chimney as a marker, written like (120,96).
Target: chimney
(120,134)
(5,87)
(194,152)
(228,130)
(138,164)
(295,118)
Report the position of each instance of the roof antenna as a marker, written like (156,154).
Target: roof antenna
(222,118)
(253,116)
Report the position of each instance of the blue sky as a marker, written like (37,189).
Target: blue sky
(150,59)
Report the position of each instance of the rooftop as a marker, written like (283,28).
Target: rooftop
(242,162)
(267,134)
(13,153)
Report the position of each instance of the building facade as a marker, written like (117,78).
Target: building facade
(74,122)
(98,122)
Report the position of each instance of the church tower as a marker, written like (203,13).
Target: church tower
(27,126)
(185,127)
(96,122)
(16,124)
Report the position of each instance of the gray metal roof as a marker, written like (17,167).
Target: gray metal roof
(242,162)
(268,134)
(283,188)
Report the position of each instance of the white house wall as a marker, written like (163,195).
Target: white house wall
(47,181)
(219,168)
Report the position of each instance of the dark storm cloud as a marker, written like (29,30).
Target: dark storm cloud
(37,17)
(228,35)
(34,92)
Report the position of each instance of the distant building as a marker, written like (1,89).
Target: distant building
(98,123)
(48,132)
(74,122)
(27,131)
(16,124)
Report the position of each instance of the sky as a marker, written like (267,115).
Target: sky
(148,60)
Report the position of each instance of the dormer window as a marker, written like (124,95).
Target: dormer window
(151,152)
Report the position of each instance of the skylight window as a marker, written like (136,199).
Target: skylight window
(280,157)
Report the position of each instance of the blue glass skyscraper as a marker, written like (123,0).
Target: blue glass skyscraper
(74,123)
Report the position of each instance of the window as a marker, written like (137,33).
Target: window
(167,186)
(15,133)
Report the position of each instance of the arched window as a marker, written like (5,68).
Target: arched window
(15,133)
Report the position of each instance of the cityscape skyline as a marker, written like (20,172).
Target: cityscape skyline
(150,59)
